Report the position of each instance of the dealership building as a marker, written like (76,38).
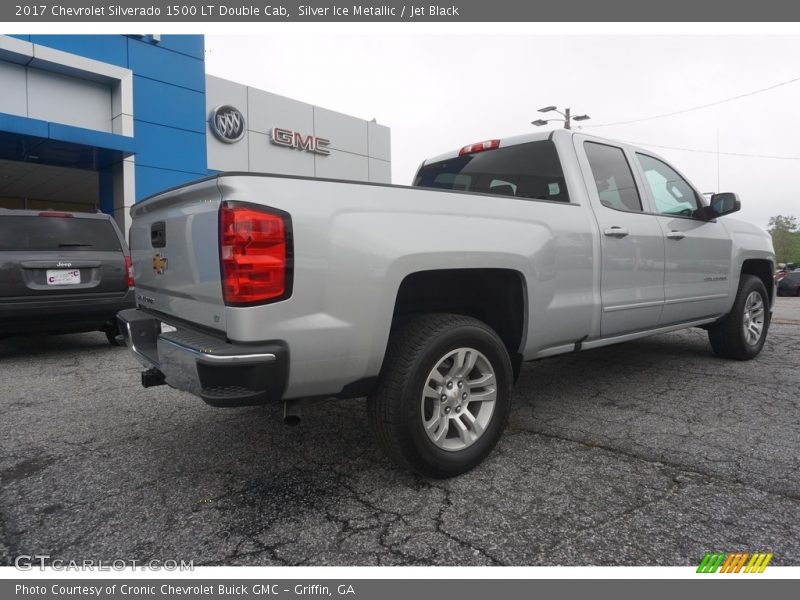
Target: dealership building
(99,122)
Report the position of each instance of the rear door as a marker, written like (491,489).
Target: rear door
(631,240)
(53,254)
(698,253)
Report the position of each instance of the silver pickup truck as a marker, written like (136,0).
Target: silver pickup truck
(427,299)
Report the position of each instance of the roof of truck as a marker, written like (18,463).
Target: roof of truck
(535,136)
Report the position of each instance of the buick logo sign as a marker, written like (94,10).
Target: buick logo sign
(227,123)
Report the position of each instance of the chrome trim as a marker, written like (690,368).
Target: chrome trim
(636,305)
(600,342)
(209,357)
(696,299)
(663,302)
(142,358)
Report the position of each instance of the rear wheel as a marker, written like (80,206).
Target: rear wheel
(444,395)
(741,334)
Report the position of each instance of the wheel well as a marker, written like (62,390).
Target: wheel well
(762,269)
(495,296)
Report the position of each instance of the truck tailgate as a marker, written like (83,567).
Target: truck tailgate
(174,242)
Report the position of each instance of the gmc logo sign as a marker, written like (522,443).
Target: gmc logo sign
(292,139)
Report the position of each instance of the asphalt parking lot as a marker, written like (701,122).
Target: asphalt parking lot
(648,453)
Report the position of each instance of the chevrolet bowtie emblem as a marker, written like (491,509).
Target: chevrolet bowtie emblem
(159,264)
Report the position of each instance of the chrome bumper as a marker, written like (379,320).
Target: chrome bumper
(220,372)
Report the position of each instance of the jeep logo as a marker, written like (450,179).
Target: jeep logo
(292,139)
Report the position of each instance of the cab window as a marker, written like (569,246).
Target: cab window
(531,170)
(612,176)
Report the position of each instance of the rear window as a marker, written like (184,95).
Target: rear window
(57,234)
(529,170)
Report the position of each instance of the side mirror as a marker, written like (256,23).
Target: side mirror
(721,204)
(725,203)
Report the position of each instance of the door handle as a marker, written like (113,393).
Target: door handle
(617,232)
(676,235)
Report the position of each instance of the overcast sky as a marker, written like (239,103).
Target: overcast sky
(440,92)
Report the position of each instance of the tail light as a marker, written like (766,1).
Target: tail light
(52,213)
(255,254)
(479,147)
(129,271)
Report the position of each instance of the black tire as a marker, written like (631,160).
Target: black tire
(396,411)
(727,336)
(111,335)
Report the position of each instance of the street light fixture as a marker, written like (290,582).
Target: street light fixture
(567,120)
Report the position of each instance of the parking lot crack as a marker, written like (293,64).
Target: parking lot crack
(674,465)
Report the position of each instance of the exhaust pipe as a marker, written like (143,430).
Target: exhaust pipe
(292,412)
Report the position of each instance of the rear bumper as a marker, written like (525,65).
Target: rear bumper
(218,371)
(62,315)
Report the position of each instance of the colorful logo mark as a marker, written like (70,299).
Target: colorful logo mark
(734,562)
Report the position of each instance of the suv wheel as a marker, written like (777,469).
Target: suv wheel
(444,395)
(112,331)
(741,334)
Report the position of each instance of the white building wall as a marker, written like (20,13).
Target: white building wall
(49,96)
(359,150)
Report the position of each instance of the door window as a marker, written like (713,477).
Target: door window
(672,193)
(613,177)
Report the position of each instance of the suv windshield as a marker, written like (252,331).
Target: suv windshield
(529,170)
(57,234)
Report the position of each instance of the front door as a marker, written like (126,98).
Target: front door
(698,253)
(631,241)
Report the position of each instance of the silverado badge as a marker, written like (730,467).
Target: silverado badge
(159,264)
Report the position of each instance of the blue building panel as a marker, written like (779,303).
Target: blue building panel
(23,125)
(150,60)
(152,180)
(107,190)
(89,137)
(111,49)
(170,148)
(170,105)
(169,140)
(191,45)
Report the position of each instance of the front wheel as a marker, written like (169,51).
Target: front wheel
(742,333)
(444,395)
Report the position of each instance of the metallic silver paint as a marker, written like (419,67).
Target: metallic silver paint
(355,243)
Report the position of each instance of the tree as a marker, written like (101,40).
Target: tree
(785,232)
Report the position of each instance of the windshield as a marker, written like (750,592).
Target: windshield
(529,170)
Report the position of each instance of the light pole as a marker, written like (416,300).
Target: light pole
(568,118)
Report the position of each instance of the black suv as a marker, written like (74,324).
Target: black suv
(62,272)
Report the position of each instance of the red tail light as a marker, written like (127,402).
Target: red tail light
(479,147)
(129,271)
(52,213)
(255,252)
